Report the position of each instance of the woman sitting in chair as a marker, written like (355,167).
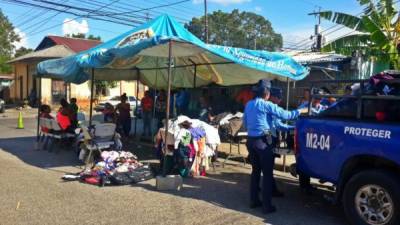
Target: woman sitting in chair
(64,117)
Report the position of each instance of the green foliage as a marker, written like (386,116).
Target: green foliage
(377,33)
(83,36)
(22,51)
(92,37)
(7,38)
(237,29)
(102,85)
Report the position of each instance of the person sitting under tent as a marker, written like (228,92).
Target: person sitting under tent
(109,113)
(64,117)
(124,115)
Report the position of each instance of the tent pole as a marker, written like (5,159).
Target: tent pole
(194,76)
(167,109)
(287,93)
(137,97)
(91,98)
(39,106)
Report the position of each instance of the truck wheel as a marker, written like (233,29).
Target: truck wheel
(372,198)
(2,109)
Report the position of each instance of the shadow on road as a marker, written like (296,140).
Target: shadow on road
(24,149)
(230,190)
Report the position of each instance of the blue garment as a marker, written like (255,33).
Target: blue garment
(197,133)
(278,125)
(258,115)
(182,99)
(262,160)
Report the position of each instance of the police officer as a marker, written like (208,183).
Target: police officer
(277,126)
(257,119)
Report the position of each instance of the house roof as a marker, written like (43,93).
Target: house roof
(316,57)
(75,44)
(57,51)
(7,76)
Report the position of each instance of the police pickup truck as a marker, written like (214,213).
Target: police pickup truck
(355,145)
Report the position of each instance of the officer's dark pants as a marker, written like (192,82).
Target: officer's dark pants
(262,160)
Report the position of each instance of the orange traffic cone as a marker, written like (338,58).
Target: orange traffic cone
(20,121)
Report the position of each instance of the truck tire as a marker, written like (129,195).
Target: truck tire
(2,109)
(372,198)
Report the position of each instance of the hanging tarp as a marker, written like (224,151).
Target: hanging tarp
(143,53)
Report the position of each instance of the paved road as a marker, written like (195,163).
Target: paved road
(31,192)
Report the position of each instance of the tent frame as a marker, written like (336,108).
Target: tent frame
(169,68)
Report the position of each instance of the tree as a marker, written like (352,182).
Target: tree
(78,35)
(375,33)
(22,51)
(83,36)
(92,37)
(7,39)
(237,29)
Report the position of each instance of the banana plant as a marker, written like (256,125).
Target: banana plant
(375,32)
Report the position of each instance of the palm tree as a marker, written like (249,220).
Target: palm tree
(376,32)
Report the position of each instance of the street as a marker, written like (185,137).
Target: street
(33,193)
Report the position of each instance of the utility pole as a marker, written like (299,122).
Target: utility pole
(317,32)
(255,39)
(205,22)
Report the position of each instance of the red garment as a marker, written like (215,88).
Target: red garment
(63,120)
(124,111)
(147,104)
(244,96)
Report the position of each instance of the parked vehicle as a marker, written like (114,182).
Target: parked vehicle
(117,99)
(2,106)
(354,144)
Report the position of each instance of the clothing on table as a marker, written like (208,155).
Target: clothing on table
(258,114)
(204,114)
(230,116)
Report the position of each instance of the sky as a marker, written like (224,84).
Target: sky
(288,17)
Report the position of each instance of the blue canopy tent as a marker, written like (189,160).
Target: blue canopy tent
(163,54)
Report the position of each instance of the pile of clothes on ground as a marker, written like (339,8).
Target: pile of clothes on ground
(114,168)
(190,145)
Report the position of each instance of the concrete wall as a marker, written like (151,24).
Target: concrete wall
(24,82)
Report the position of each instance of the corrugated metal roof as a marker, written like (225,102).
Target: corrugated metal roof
(57,51)
(75,44)
(316,57)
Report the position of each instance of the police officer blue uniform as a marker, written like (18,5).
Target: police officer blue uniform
(257,119)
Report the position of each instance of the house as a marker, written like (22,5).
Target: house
(52,90)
